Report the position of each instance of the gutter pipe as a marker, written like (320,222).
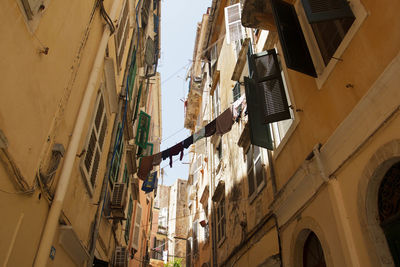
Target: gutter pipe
(65,177)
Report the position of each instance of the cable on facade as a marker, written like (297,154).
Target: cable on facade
(107,18)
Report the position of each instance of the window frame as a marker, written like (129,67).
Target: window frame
(220,221)
(87,174)
(257,187)
(120,43)
(323,71)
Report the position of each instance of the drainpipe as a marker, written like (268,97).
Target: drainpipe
(65,177)
(339,210)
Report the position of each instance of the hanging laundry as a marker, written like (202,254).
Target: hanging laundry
(165,154)
(224,122)
(175,150)
(150,183)
(210,128)
(157,159)
(145,166)
(199,134)
(187,142)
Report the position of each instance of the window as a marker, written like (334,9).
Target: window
(142,132)
(233,23)
(236,92)
(116,160)
(145,13)
(128,220)
(221,221)
(195,240)
(136,229)
(255,173)
(125,178)
(132,74)
(330,20)
(94,144)
(189,252)
(121,34)
(214,57)
(216,102)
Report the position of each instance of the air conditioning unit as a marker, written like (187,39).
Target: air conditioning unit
(121,257)
(118,200)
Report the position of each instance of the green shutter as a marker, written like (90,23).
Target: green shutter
(268,76)
(148,151)
(143,128)
(294,46)
(260,134)
(128,220)
(323,10)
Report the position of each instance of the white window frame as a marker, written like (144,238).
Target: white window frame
(323,71)
(86,174)
(257,187)
(235,22)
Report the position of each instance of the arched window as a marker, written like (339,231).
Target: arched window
(313,255)
(389,209)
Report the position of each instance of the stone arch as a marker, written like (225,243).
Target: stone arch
(376,168)
(302,230)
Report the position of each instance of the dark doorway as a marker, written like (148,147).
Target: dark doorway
(313,255)
(389,210)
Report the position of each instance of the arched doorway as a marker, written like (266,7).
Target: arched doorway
(313,255)
(389,210)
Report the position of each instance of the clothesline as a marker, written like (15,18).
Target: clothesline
(221,125)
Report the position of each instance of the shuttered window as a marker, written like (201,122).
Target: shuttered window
(268,76)
(136,230)
(149,55)
(94,147)
(260,134)
(330,21)
(233,24)
(118,151)
(255,174)
(137,105)
(143,128)
(121,33)
(294,46)
(145,12)
(221,220)
(128,220)
(148,151)
(132,74)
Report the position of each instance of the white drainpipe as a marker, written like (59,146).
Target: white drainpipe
(56,206)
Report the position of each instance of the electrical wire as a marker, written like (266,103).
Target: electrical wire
(107,18)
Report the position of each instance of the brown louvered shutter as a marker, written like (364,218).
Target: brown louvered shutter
(268,76)
(260,134)
(294,46)
(323,10)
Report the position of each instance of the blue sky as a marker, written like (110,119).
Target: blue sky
(179,20)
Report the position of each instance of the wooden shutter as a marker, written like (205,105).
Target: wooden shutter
(132,74)
(90,164)
(145,13)
(268,76)
(323,10)
(149,55)
(233,23)
(260,134)
(294,46)
(142,132)
(236,92)
(136,230)
(148,151)
(121,34)
(128,220)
